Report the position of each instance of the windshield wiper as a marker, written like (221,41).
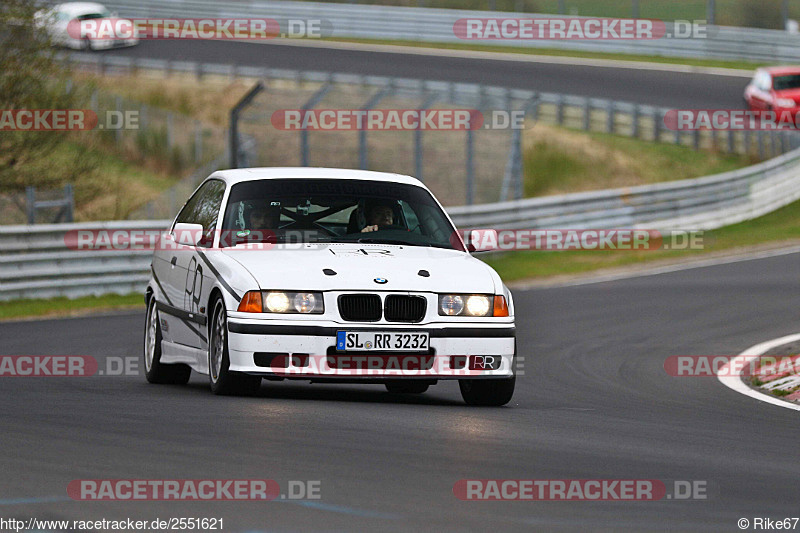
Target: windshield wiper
(374,240)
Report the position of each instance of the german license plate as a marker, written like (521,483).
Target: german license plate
(364,341)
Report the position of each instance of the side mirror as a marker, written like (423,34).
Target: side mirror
(482,240)
(188,234)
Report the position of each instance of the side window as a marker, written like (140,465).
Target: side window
(203,208)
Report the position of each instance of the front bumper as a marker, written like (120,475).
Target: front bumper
(302,350)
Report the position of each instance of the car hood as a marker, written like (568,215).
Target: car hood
(357,266)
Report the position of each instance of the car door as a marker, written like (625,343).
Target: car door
(182,270)
(198,277)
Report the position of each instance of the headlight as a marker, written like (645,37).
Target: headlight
(277,302)
(467,305)
(293,302)
(451,304)
(478,305)
(784,102)
(282,302)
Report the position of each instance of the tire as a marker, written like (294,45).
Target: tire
(407,387)
(86,45)
(155,371)
(487,392)
(224,382)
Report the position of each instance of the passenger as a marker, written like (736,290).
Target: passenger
(377,216)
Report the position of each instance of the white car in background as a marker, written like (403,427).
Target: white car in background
(56,21)
(325,275)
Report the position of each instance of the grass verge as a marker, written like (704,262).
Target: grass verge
(59,307)
(559,161)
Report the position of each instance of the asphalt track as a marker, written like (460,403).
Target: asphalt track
(670,89)
(594,403)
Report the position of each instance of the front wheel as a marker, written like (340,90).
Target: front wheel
(155,370)
(222,380)
(487,392)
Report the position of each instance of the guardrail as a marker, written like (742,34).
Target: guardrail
(36,263)
(436,25)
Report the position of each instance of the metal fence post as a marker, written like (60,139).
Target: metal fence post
(362,134)
(635,122)
(513,170)
(711,11)
(469,163)
(30,204)
(587,114)
(69,200)
(198,142)
(656,126)
(170,128)
(314,100)
(611,108)
(418,160)
(233,132)
(731,145)
(560,109)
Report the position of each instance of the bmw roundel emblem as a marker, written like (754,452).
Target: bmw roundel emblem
(381,280)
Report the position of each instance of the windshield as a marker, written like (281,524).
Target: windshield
(341,211)
(782,83)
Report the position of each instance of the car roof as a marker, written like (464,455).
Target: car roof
(782,71)
(80,8)
(238,175)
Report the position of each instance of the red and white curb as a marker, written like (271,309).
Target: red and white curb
(734,381)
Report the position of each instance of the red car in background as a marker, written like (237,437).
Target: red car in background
(774,89)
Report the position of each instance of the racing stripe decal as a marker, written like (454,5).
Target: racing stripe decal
(218,276)
(155,278)
(169,302)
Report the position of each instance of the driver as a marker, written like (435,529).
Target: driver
(378,215)
(262,218)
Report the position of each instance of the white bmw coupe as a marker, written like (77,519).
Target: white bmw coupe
(325,275)
(64,23)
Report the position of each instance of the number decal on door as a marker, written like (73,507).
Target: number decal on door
(195,290)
